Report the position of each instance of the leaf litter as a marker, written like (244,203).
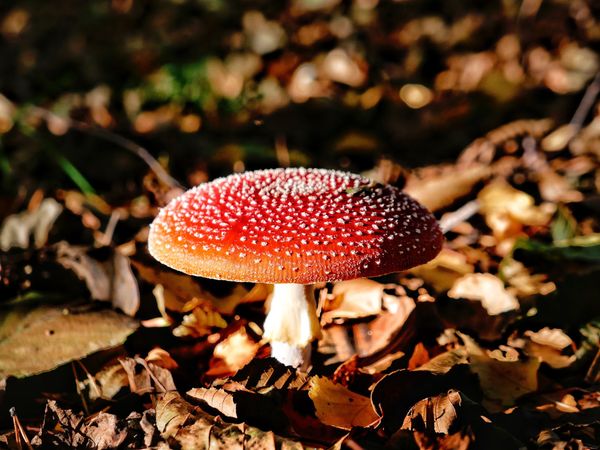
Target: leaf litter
(494,344)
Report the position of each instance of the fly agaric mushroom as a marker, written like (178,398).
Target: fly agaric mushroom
(293,228)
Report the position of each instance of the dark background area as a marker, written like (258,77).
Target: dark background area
(211,86)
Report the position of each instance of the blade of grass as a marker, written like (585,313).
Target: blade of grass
(74,174)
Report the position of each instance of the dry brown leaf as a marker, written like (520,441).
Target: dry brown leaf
(507,210)
(522,282)
(65,429)
(556,188)
(107,383)
(112,280)
(337,406)
(487,289)
(436,192)
(125,293)
(443,362)
(92,272)
(547,344)
(377,334)
(46,337)
(172,412)
(199,323)
(178,288)
(434,414)
(502,381)
(219,398)
(164,320)
(182,293)
(443,271)
(353,299)
(192,429)
(161,358)
(232,353)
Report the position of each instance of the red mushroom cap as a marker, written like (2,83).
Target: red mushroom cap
(293,226)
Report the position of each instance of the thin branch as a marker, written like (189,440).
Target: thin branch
(116,139)
(587,101)
(19,430)
(463,213)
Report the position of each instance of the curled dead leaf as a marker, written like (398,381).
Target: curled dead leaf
(434,414)
(507,210)
(353,299)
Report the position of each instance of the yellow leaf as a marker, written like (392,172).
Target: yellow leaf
(507,209)
(339,407)
(443,271)
(436,192)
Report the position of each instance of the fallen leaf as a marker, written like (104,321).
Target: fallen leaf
(91,271)
(378,334)
(556,188)
(172,412)
(503,381)
(441,190)
(547,344)
(200,323)
(182,293)
(125,293)
(434,414)
(65,429)
(507,210)
(232,353)
(443,271)
(38,340)
(232,399)
(397,392)
(111,281)
(353,299)
(220,398)
(486,288)
(161,358)
(337,406)
(559,138)
(522,282)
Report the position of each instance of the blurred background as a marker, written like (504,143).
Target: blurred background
(210,87)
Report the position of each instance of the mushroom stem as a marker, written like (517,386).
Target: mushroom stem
(292,323)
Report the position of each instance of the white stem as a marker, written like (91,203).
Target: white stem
(292,323)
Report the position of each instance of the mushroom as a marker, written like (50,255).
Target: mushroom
(293,228)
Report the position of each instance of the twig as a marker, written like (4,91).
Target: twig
(91,379)
(79,392)
(587,101)
(463,213)
(154,377)
(116,139)
(19,430)
(107,236)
